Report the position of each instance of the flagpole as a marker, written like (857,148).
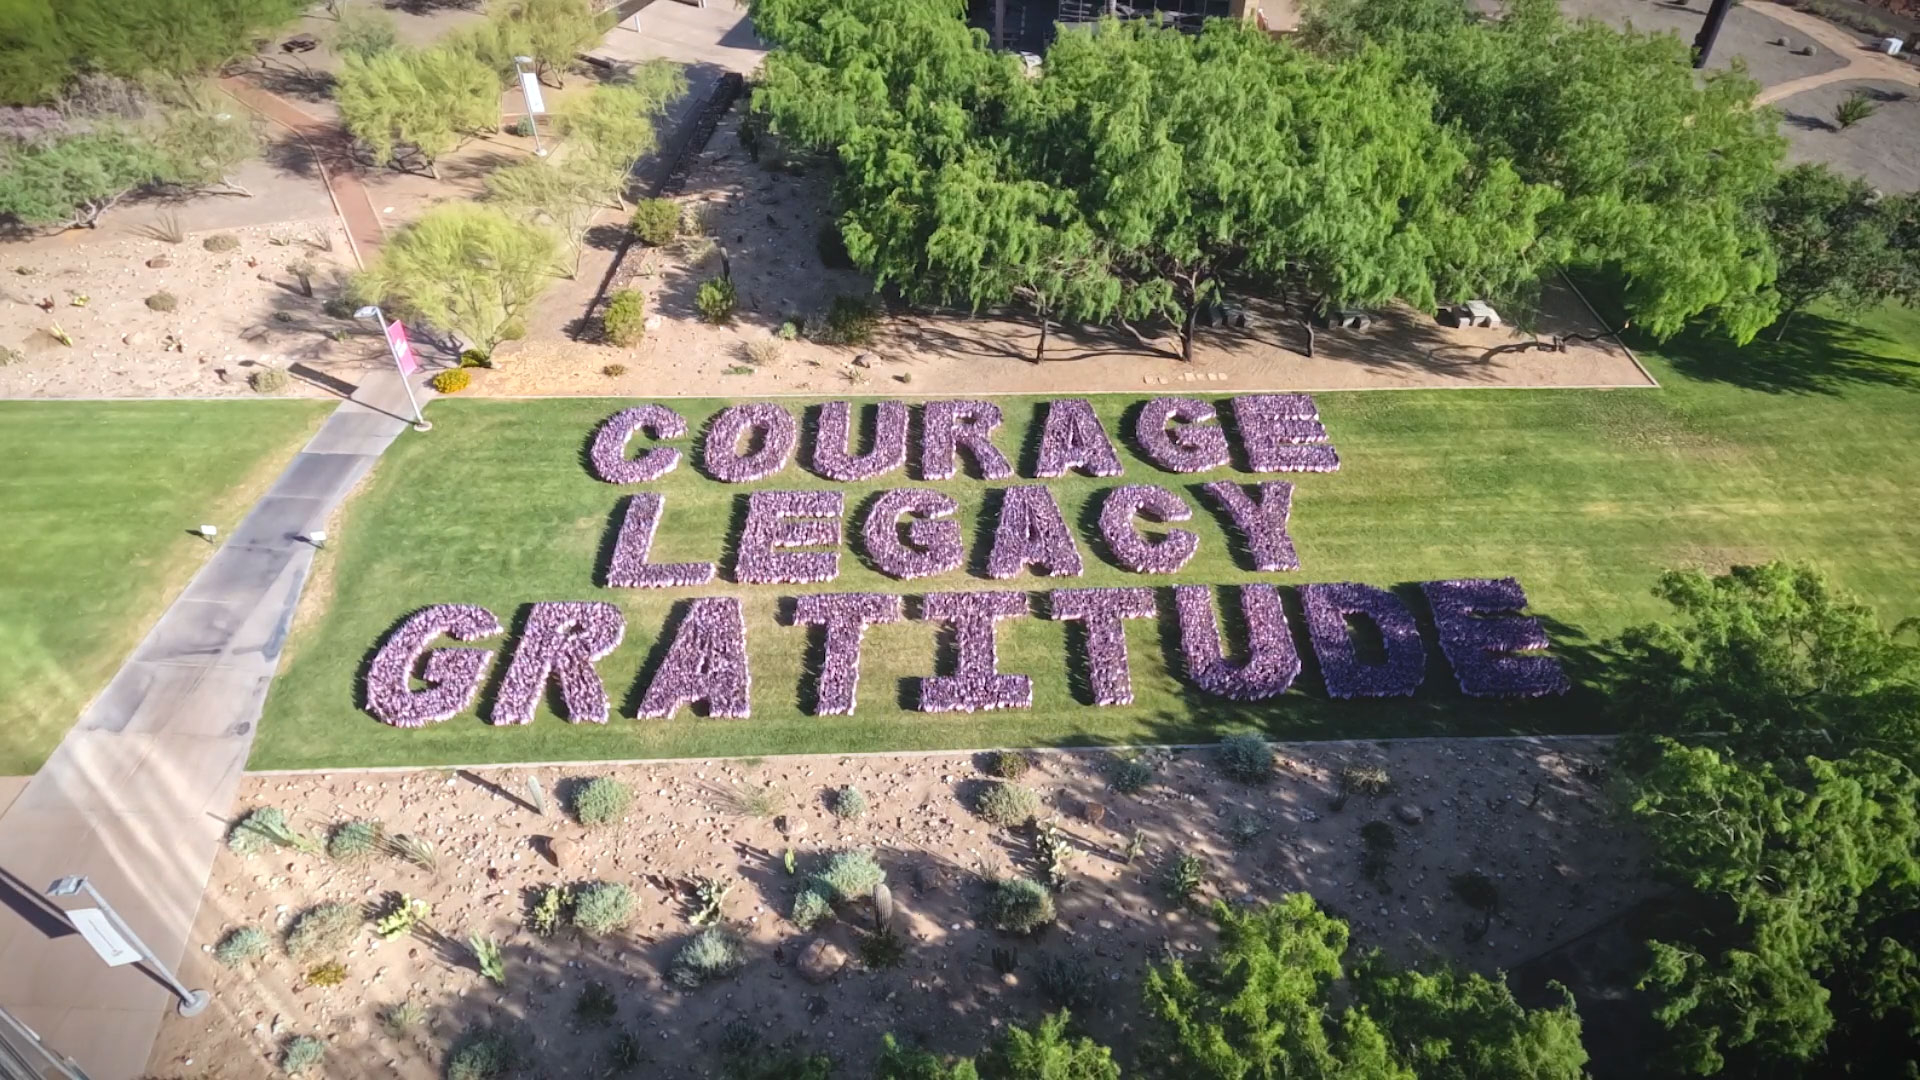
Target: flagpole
(420,421)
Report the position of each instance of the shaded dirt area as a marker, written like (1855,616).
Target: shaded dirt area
(1528,814)
(764,222)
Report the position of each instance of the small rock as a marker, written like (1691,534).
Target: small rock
(1010,979)
(560,850)
(790,825)
(651,322)
(159,262)
(1094,812)
(1409,814)
(865,359)
(820,961)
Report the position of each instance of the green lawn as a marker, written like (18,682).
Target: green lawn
(97,500)
(1805,450)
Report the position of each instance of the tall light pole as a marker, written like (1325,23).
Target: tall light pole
(530,91)
(1709,31)
(116,942)
(402,352)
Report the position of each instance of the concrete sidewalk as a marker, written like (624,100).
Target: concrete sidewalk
(137,794)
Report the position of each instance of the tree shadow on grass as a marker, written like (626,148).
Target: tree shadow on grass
(1818,355)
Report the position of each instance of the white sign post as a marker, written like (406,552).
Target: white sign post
(94,925)
(116,943)
(536,104)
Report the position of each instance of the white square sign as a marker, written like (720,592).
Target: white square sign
(100,933)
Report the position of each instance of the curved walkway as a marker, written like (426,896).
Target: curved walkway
(1861,62)
(332,152)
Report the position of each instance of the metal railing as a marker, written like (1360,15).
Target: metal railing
(24,1057)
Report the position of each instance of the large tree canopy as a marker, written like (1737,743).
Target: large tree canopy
(1141,169)
(1776,730)
(1262,1005)
(45,42)
(1839,241)
(1659,171)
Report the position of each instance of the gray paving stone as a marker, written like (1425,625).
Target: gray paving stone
(321,476)
(240,574)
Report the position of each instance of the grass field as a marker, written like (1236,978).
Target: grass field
(98,500)
(1804,450)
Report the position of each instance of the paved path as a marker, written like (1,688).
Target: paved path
(333,149)
(136,796)
(1862,63)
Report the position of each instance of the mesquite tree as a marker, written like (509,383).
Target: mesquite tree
(1658,172)
(1774,730)
(468,269)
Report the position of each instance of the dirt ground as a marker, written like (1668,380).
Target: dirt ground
(1527,813)
(235,311)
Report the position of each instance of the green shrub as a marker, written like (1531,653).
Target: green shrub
(614,371)
(354,841)
(714,953)
(471,358)
(256,831)
(9,356)
(656,221)
(1857,107)
(1246,758)
(849,803)
(1020,906)
(481,1055)
(524,127)
(1366,779)
(323,932)
(546,916)
(402,1017)
(602,801)
(1007,764)
(884,948)
(791,329)
(1129,775)
(1184,876)
(811,907)
(512,330)
(163,301)
(269,381)
(1244,829)
(1066,979)
(241,945)
(1003,803)
(602,907)
(303,1052)
(716,299)
(220,242)
(327,973)
(851,320)
(850,875)
(451,381)
(626,318)
(339,307)
(487,957)
(408,914)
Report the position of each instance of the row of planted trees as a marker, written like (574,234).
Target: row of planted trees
(1397,150)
